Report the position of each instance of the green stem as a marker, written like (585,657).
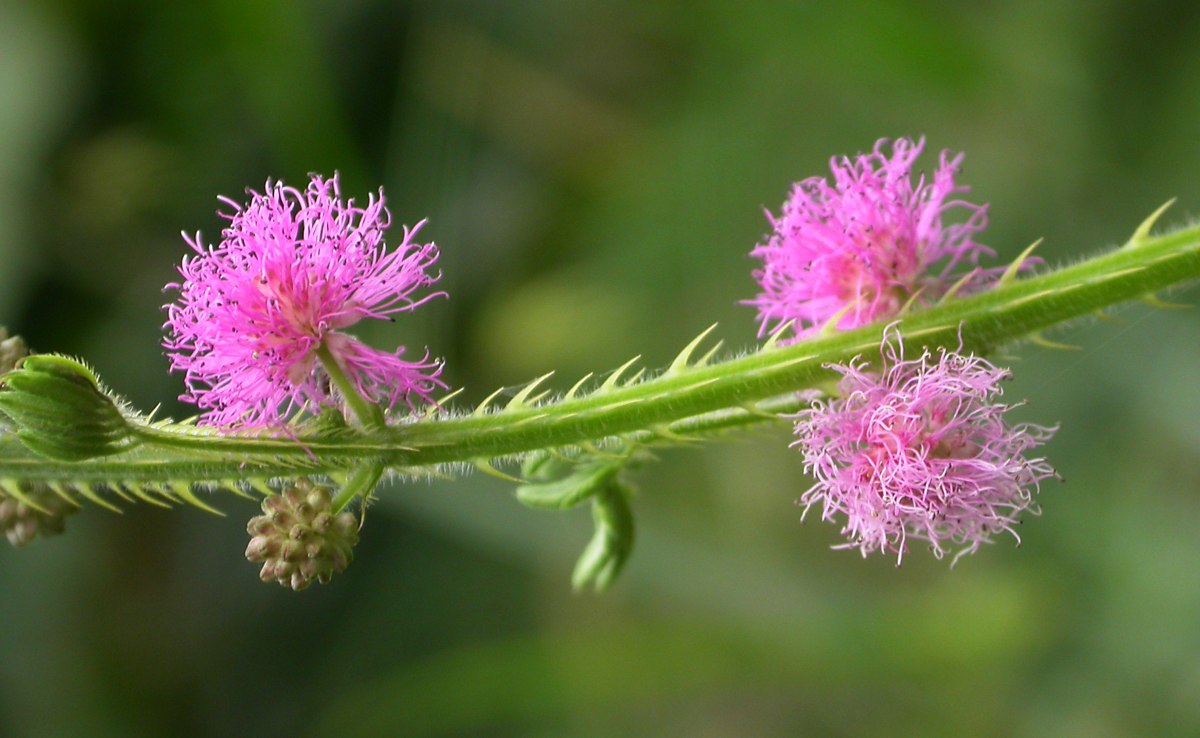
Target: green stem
(691,399)
(982,322)
(155,466)
(361,481)
(365,475)
(368,413)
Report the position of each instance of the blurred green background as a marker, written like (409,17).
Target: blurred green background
(595,173)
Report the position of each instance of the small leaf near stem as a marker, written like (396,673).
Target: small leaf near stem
(611,544)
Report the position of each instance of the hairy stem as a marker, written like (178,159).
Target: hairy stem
(982,322)
(691,399)
(367,412)
(361,481)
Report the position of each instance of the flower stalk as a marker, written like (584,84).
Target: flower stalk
(368,414)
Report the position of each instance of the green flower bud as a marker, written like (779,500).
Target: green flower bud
(22,522)
(298,539)
(60,411)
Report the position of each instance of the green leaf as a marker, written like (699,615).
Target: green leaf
(612,542)
(562,494)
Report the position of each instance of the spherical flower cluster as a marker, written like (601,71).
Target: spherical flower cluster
(298,539)
(862,248)
(292,269)
(920,450)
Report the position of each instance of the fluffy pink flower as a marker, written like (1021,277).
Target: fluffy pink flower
(922,451)
(867,244)
(291,270)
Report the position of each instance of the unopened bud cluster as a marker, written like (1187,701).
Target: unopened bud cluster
(12,350)
(22,523)
(299,539)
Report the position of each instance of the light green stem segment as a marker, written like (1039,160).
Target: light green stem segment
(368,413)
(691,399)
(365,475)
(361,481)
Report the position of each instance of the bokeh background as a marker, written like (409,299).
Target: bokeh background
(595,173)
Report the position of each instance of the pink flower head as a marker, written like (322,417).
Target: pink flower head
(292,269)
(922,451)
(866,245)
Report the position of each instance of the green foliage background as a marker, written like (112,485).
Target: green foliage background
(595,173)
